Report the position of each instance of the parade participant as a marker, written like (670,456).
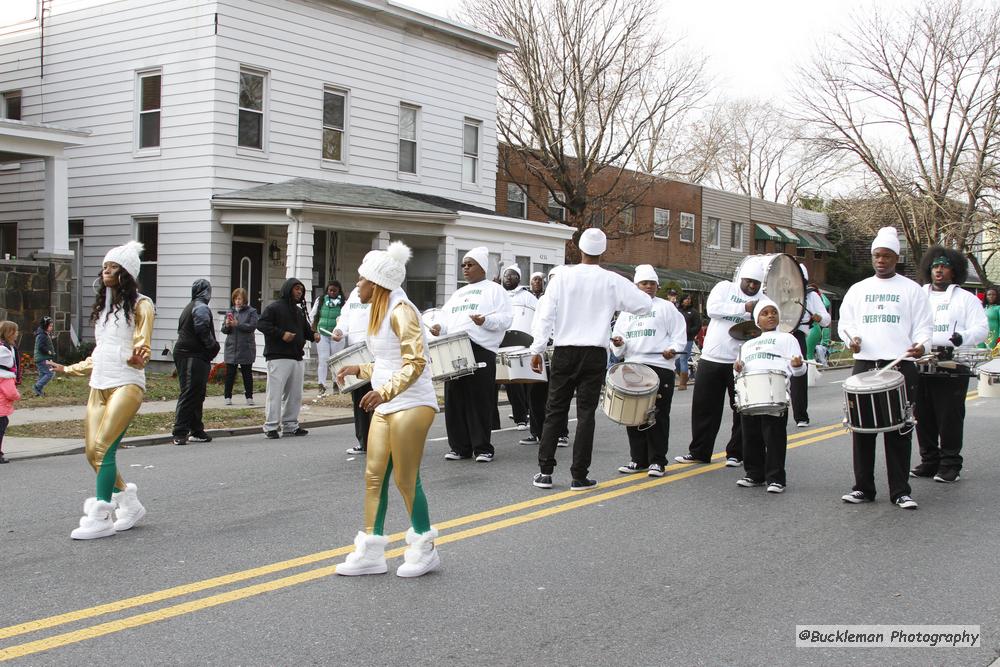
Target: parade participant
(44,353)
(404,404)
(240,327)
(654,340)
(193,353)
(765,440)
(481,309)
(991,304)
(538,284)
(728,303)
(324,314)
(577,309)
(286,331)
(818,336)
(692,320)
(940,401)
(882,318)
(814,313)
(123,320)
(521,299)
(353,326)
(8,390)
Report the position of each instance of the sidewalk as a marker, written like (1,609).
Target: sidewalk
(312,415)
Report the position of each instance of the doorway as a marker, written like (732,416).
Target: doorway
(248,269)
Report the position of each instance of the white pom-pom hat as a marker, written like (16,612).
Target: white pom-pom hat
(127,257)
(386,267)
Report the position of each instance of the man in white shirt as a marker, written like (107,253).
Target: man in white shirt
(577,309)
(883,318)
(353,325)
(815,311)
(959,319)
(524,304)
(481,309)
(728,303)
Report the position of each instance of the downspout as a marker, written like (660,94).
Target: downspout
(293,255)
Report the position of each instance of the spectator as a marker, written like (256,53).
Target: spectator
(286,331)
(692,320)
(240,326)
(323,316)
(196,347)
(44,353)
(8,392)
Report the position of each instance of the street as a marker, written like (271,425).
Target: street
(233,563)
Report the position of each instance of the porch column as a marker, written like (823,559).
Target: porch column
(447,271)
(55,242)
(380,241)
(299,260)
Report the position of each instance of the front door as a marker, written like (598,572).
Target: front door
(248,269)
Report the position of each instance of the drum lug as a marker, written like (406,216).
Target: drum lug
(459,362)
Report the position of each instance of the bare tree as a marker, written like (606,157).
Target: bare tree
(913,99)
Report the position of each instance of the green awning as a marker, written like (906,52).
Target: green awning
(764,232)
(788,234)
(826,246)
(808,240)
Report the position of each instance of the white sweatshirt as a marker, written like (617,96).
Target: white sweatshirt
(888,315)
(578,307)
(647,337)
(814,304)
(353,320)
(482,298)
(957,311)
(726,306)
(772,351)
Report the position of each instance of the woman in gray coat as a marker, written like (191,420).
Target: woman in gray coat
(241,346)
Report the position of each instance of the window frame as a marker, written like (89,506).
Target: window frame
(415,174)
(735,240)
(553,205)
(4,230)
(137,222)
(8,95)
(523,189)
(760,246)
(263,111)
(140,76)
(628,219)
(714,229)
(344,130)
(690,217)
(477,157)
(665,224)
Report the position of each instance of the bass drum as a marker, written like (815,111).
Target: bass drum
(783,283)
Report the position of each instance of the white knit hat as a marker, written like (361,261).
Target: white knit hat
(126,256)
(481,256)
(514,268)
(805,272)
(753,269)
(763,303)
(887,237)
(592,242)
(538,274)
(645,272)
(6,360)
(386,267)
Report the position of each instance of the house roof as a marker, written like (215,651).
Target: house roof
(691,281)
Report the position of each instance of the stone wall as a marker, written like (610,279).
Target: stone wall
(30,290)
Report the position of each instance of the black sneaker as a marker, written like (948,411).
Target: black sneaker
(947,475)
(455,456)
(485,457)
(356,449)
(749,482)
(270,435)
(733,462)
(563,441)
(530,440)
(542,481)
(687,458)
(631,468)
(655,470)
(299,431)
(582,484)
(200,437)
(856,497)
(906,503)
(924,470)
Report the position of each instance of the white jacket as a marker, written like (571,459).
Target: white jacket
(482,298)
(353,320)
(957,311)
(115,343)
(726,306)
(647,337)
(387,349)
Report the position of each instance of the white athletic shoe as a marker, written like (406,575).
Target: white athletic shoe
(129,510)
(421,557)
(96,521)
(368,556)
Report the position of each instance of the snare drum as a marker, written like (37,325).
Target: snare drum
(356,354)
(761,393)
(989,379)
(515,365)
(875,402)
(630,394)
(451,356)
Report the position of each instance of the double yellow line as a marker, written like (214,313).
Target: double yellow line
(611,489)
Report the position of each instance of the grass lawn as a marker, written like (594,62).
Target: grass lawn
(162,422)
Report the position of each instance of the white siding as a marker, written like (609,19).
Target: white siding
(811,221)
(728,208)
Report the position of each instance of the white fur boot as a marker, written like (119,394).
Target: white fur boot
(421,557)
(96,521)
(368,556)
(129,510)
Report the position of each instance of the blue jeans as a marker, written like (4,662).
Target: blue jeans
(45,373)
(684,359)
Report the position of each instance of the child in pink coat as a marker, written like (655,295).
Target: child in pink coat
(8,392)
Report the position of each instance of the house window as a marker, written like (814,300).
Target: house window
(334,124)
(8,240)
(714,232)
(736,240)
(597,219)
(779,246)
(661,223)
(687,227)
(250,133)
(517,201)
(146,232)
(470,151)
(628,218)
(760,246)
(555,211)
(12,105)
(408,138)
(149,109)
(800,251)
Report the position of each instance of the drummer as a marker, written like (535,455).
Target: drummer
(353,324)
(814,313)
(765,439)
(654,340)
(538,284)
(482,310)
(728,303)
(521,301)
(882,318)
(940,406)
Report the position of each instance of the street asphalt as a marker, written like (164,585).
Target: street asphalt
(685,570)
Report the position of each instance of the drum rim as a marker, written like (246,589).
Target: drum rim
(897,380)
(762,371)
(627,392)
(448,337)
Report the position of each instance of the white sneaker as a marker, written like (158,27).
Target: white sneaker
(130,510)
(522,426)
(250,401)
(228,401)
(563,441)
(368,556)
(802,424)
(96,521)
(421,557)
(775,487)
(733,462)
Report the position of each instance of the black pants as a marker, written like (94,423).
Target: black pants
(538,395)
(517,394)
(469,406)
(246,370)
(715,380)
(765,442)
(4,422)
(799,385)
(649,445)
(192,376)
(579,369)
(897,443)
(362,419)
(940,414)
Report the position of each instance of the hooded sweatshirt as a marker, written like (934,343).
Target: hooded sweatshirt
(283,315)
(195,330)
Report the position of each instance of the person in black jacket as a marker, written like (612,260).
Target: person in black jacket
(286,331)
(193,353)
(692,319)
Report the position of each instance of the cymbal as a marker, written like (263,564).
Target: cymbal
(744,330)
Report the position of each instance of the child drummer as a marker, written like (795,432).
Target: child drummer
(764,436)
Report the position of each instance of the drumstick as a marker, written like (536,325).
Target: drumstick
(322,330)
(905,356)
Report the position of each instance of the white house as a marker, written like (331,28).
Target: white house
(246,141)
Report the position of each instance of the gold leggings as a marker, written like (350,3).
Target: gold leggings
(109,412)
(396,440)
